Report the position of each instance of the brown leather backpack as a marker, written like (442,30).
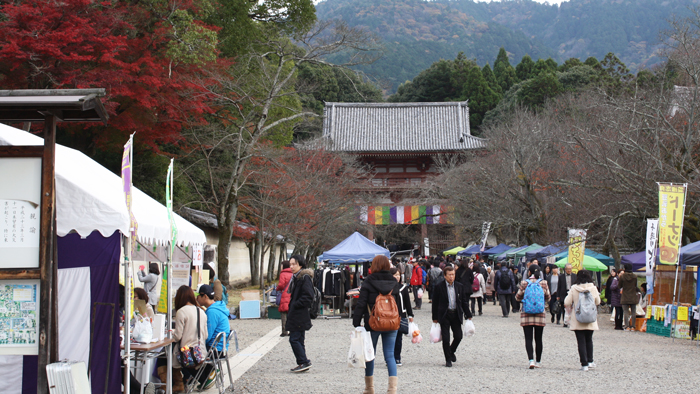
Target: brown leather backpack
(385,314)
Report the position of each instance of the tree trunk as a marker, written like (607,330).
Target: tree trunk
(271,264)
(251,258)
(282,257)
(225,222)
(256,260)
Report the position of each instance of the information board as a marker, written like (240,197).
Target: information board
(19,317)
(20,196)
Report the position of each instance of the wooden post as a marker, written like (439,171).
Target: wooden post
(47,297)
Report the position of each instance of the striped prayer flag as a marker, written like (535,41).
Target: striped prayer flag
(386,215)
(370,215)
(429,214)
(392,216)
(400,215)
(378,219)
(415,214)
(421,214)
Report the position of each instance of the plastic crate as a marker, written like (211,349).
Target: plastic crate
(273,312)
(657,328)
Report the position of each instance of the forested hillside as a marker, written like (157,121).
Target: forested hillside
(417,33)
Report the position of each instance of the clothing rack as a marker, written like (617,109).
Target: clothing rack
(333,287)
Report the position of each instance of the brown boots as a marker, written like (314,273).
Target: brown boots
(369,385)
(178,385)
(393,385)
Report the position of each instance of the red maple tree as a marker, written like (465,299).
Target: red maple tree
(124,47)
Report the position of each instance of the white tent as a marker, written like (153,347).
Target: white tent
(90,198)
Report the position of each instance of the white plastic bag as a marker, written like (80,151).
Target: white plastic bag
(143,332)
(420,293)
(366,343)
(435,333)
(468,328)
(356,354)
(414,333)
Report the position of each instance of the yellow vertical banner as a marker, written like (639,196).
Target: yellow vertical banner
(577,247)
(671,211)
(162,300)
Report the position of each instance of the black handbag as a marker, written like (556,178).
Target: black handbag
(403,326)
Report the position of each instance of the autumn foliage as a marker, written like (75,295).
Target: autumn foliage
(142,53)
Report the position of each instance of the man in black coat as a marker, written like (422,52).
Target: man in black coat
(450,307)
(566,280)
(301,289)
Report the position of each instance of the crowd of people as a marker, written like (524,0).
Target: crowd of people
(458,290)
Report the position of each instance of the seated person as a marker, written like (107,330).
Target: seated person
(217,321)
(140,294)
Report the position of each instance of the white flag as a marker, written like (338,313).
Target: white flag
(652,235)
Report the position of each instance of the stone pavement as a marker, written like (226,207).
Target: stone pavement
(494,360)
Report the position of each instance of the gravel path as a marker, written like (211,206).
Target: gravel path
(494,360)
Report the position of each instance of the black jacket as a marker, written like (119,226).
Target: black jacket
(562,292)
(379,282)
(465,276)
(441,302)
(302,296)
(404,297)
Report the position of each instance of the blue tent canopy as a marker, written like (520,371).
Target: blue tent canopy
(690,254)
(354,249)
(607,260)
(496,250)
(474,249)
(546,251)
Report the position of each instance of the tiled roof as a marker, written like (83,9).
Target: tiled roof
(398,127)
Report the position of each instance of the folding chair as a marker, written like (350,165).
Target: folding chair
(214,362)
(231,336)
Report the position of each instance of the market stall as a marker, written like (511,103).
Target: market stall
(92,221)
(356,250)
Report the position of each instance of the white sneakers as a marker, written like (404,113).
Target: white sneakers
(584,368)
(538,365)
(591,365)
(532,364)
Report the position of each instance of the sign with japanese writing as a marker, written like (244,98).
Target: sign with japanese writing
(577,246)
(671,209)
(127,184)
(20,213)
(485,228)
(652,236)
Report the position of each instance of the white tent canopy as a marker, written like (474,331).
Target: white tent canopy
(90,198)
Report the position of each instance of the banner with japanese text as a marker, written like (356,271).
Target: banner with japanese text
(652,236)
(169,206)
(127,185)
(577,247)
(671,211)
(485,228)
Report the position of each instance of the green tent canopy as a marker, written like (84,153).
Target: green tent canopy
(589,263)
(607,260)
(521,253)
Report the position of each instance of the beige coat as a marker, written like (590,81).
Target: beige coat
(572,299)
(186,329)
(490,281)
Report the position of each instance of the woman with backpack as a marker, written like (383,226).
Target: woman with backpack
(533,293)
(478,289)
(379,285)
(583,299)
(403,301)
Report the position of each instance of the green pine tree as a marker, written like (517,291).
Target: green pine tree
(524,69)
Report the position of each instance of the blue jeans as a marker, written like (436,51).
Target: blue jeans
(296,339)
(388,343)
